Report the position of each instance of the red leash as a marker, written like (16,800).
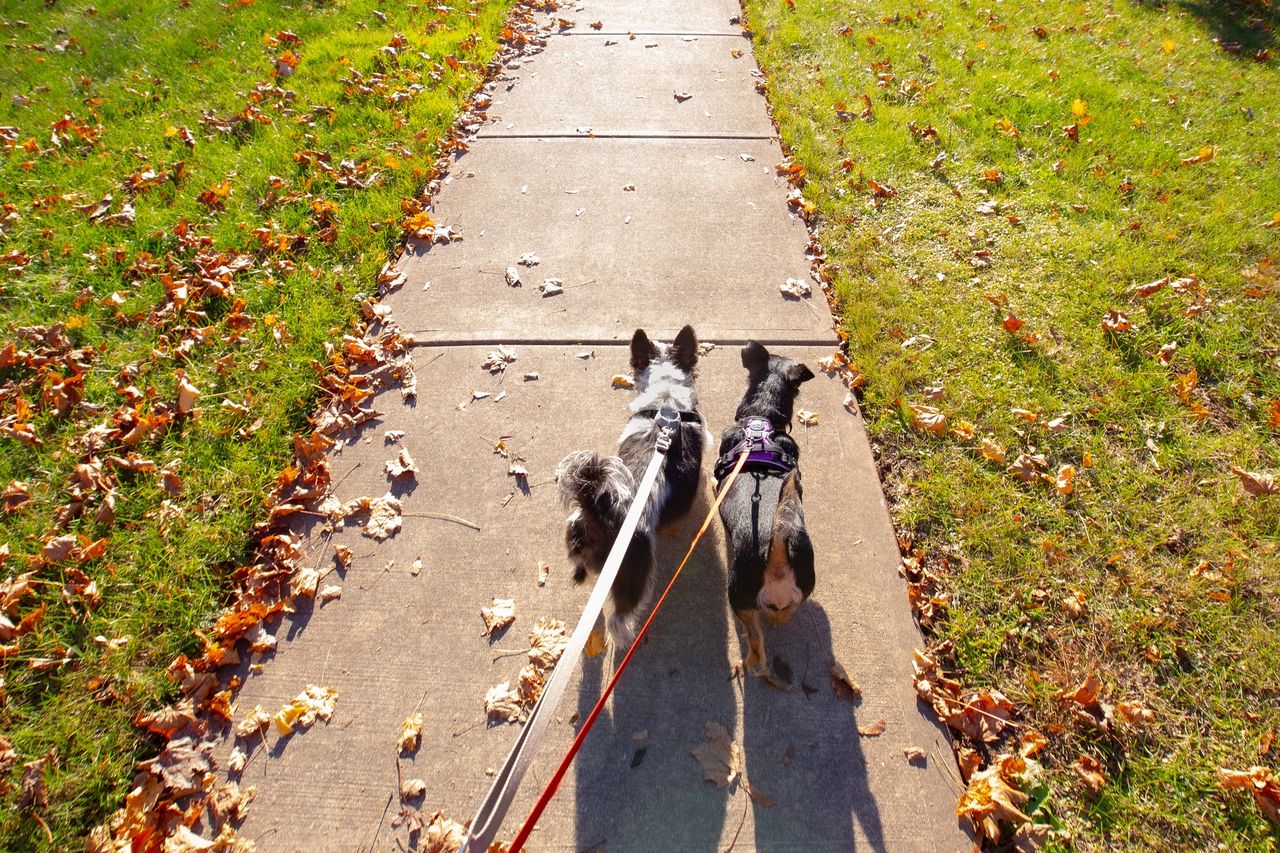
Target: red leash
(550,791)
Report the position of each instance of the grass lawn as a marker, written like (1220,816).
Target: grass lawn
(990,182)
(195,195)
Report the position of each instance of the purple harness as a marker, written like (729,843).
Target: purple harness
(763,453)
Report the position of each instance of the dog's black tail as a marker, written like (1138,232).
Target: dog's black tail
(595,483)
(598,490)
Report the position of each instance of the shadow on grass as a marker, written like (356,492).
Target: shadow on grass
(1244,28)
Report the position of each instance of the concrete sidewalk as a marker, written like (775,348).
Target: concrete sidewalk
(645,225)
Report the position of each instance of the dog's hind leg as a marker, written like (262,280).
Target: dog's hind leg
(757,663)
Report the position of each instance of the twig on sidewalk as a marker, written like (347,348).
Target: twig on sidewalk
(443,516)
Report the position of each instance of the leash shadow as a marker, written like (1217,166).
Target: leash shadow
(637,787)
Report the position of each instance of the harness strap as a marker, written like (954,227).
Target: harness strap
(488,818)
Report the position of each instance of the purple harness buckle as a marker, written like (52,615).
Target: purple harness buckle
(762,451)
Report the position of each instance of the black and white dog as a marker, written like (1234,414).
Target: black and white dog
(770,556)
(599,489)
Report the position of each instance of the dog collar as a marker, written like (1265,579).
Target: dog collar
(763,453)
(684,417)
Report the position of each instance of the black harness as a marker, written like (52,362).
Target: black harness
(764,455)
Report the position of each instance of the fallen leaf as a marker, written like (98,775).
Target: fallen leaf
(313,703)
(1115,322)
(914,754)
(719,758)
(544,569)
(595,643)
(991,797)
(400,466)
(498,615)
(845,687)
(1264,785)
(807,418)
(1027,467)
(874,729)
(1256,483)
(1205,154)
(795,288)
(927,418)
(621,380)
(410,734)
(412,789)
(1064,481)
(1089,769)
(384,517)
(682,96)
(993,451)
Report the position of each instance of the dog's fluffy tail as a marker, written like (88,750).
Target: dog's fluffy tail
(597,484)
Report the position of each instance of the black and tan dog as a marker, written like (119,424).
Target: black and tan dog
(770,556)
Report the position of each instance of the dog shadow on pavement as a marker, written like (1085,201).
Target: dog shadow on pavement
(802,748)
(637,785)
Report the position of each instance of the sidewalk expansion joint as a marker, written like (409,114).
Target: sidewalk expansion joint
(611,342)
(484,134)
(618,34)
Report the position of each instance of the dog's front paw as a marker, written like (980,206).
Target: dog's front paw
(756,664)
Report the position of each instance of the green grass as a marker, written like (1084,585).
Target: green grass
(1154,495)
(131,75)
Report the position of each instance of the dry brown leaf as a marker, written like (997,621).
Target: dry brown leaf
(1064,481)
(544,569)
(845,687)
(595,643)
(993,451)
(410,734)
(719,758)
(1256,483)
(1089,769)
(622,381)
(384,517)
(403,464)
(1027,467)
(253,723)
(412,789)
(927,418)
(1264,785)
(1135,713)
(498,615)
(313,703)
(1115,322)
(992,797)
(914,754)
(807,418)
(874,729)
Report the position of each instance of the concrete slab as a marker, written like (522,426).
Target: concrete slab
(609,85)
(703,238)
(654,16)
(396,643)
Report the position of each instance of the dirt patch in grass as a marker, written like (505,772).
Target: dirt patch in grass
(1056,227)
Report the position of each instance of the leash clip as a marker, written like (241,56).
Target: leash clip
(667,421)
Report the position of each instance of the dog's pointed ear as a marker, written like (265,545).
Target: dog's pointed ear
(642,351)
(754,356)
(799,374)
(685,348)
